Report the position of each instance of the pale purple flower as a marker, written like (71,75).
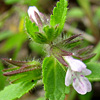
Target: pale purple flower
(75,64)
(36,16)
(80,83)
(76,75)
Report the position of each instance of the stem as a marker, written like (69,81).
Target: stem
(94,28)
(72,95)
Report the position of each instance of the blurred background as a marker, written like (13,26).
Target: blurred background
(83,17)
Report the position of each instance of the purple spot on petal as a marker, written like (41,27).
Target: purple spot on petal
(81,75)
(74,79)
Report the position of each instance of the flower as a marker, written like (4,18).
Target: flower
(76,65)
(76,68)
(80,83)
(36,16)
(76,73)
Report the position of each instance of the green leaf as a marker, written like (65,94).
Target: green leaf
(40,38)
(33,32)
(38,48)
(95,68)
(29,2)
(97,51)
(59,15)
(15,40)
(20,64)
(5,34)
(85,5)
(54,79)
(26,76)
(75,13)
(96,17)
(31,27)
(2,78)
(11,1)
(42,98)
(23,71)
(14,91)
(50,32)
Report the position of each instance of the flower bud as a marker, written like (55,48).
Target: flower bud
(34,15)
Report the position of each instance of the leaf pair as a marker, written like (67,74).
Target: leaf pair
(48,33)
(23,71)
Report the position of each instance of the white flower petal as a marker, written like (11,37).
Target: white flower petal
(68,78)
(79,87)
(87,83)
(31,13)
(82,85)
(76,65)
(86,72)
